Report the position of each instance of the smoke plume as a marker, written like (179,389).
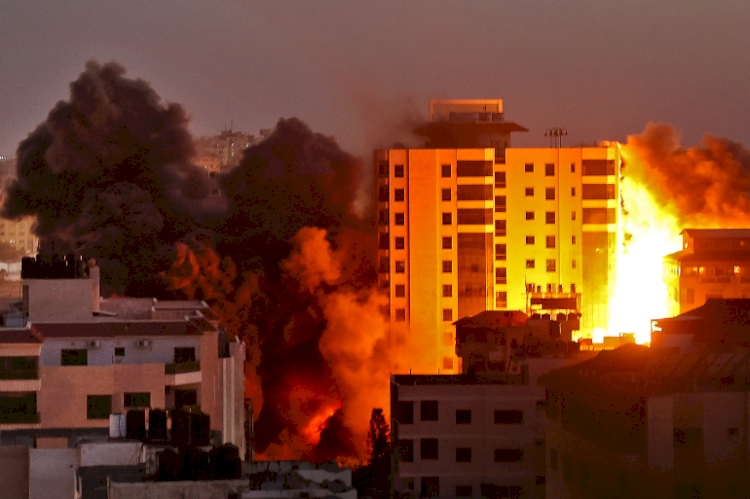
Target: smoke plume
(280,253)
(702,186)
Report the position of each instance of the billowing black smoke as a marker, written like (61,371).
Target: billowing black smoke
(108,175)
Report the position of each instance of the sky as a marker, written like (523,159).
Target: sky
(364,71)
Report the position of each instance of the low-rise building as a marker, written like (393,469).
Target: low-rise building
(670,421)
(713,263)
(479,433)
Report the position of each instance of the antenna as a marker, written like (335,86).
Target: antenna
(555,136)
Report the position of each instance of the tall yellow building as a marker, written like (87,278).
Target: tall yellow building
(468,224)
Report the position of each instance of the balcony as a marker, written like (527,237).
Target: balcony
(19,418)
(182,367)
(183,373)
(19,374)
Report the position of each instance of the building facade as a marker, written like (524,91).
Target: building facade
(714,263)
(479,433)
(670,421)
(469,223)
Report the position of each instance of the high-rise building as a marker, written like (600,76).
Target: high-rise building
(469,223)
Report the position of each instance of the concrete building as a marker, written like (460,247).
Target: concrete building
(16,234)
(670,421)
(713,263)
(479,433)
(469,223)
(220,153)
(79,359)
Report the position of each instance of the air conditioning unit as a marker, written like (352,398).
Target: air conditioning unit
(93,344)
(143,343)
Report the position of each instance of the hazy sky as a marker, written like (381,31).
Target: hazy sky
(359,69)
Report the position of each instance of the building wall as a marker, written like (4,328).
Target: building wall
(210,489)
(690,285)
(585,211)
(52,473)
(60,300)
(14,478)
(18,234)
(161,350)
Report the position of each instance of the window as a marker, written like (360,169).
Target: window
(447,314)
(530,239)
(572,215)
(400,266)
(474,216)
(448,363)
(508,417)
(447,266)
(501,299)
(399,220)
(573,240)
(573,263)
(446,194)
(553,459)
(499,179)
(530,264)
(501,252)
(550,241)
(398,171)
(529,191)
(500,206)
(549,217)
(501,275)
(549,170)
(501,227)
(447,218)
(78,357)
(405,412)
(184,354)
(119,351)
(400,290)
(429,486)
(598,191)
(463,416)
(572,168)
(400,243)
(398,195)
(447,290)
(528,168)
(463,454)
(688,437)
(405,449)
(572,191)
(428,410)
(464,491)
(98,406)
(551,267)
(383,217)
(400,315)
(508,455)
(445,171)
(529,215)
(598,216)
(383,193)
(428,448)
(447,242)
(137,399)
(482,192)
(568,468)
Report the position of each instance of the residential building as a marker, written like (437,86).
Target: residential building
(479,433)
(469,223)
(670,421)
(220,153)
(15,233)
(713,263)
(78,359)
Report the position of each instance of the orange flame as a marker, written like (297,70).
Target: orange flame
(317,424)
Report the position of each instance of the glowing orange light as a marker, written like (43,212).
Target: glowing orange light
(317,424)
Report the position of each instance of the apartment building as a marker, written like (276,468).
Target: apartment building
(469,223)
(713,263)
(670,421)
(479,433)
(62,377)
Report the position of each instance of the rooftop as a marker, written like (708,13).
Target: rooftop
(717,233)
(18,335)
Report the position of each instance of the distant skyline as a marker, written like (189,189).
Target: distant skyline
(364,71)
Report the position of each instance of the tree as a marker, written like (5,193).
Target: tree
(373,479)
